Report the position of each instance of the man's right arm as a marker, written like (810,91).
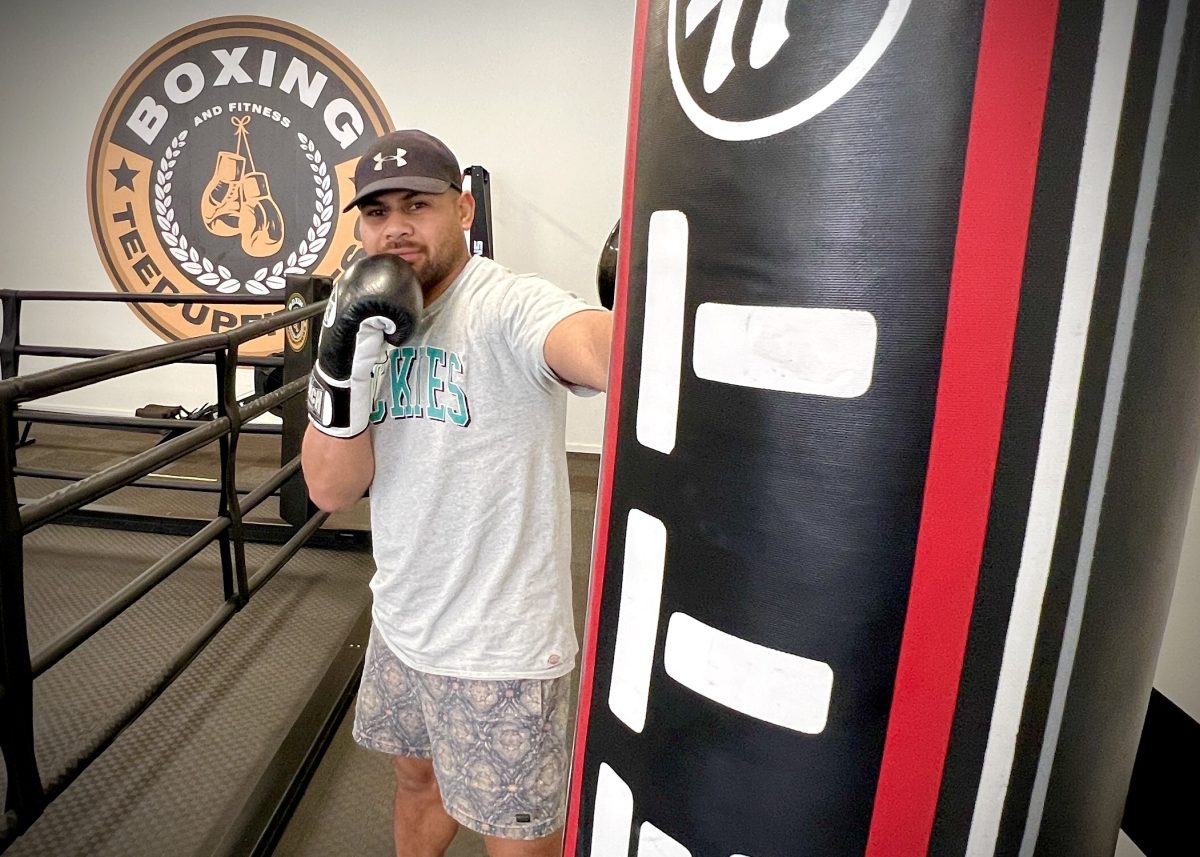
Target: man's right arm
(377,301)
(338,471)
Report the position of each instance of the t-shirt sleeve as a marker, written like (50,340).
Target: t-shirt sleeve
(532,307)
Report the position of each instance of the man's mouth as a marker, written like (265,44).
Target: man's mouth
(405,253)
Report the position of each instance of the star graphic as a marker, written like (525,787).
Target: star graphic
(123,175)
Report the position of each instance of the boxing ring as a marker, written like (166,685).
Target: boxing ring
(115,663)
(118,671)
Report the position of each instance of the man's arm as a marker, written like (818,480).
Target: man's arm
(378,300)
(338,471)
(578,348)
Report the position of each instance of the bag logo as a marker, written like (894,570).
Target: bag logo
(769,36)
(219,166)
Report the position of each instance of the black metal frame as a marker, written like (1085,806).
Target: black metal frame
(296,360)
(12,302)
(481,226)
(27,796)
(12,349)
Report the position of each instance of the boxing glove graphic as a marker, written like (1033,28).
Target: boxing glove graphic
(378,299)
(260,221)
(221,202)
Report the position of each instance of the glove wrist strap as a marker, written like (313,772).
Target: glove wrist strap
(331,405)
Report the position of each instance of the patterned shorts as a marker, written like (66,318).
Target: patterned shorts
(499,748)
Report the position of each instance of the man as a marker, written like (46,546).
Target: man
(467,671)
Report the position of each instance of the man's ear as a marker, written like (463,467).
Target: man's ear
(466,209)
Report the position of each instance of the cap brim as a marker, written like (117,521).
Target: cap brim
(417,183)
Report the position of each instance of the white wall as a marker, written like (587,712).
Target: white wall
(536,92)
(1125,847)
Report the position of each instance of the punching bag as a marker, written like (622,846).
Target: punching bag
(901,429)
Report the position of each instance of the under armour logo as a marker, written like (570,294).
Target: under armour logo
(770,34)
(398,158)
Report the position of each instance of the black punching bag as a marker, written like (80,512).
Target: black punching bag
(901,430)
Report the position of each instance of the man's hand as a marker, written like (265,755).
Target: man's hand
(378,299)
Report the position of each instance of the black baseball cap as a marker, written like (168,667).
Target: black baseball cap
(405,160)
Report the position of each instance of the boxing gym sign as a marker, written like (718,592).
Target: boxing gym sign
(220,164)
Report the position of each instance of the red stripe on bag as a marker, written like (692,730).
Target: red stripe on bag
(1012,80)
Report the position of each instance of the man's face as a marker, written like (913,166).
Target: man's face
(424,229)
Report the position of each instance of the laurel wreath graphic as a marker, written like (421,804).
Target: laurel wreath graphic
(267,278)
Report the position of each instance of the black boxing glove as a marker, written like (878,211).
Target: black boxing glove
(378,299)
(606,268)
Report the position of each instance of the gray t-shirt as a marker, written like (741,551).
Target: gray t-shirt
(470,504)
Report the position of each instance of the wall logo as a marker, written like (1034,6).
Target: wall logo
(799,55)
(220,164)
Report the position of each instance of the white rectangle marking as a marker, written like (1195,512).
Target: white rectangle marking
(652,842)
(766,684)
(612,817)
(662,334)
(817,351)
(637,622)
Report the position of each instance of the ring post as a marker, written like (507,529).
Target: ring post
(299,354)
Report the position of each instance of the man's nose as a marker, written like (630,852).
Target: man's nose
(397,225)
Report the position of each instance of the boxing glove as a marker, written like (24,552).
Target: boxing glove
(606,268)
(222,197)
(260,221)
(378,300)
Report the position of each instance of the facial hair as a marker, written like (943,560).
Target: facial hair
(439,262)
